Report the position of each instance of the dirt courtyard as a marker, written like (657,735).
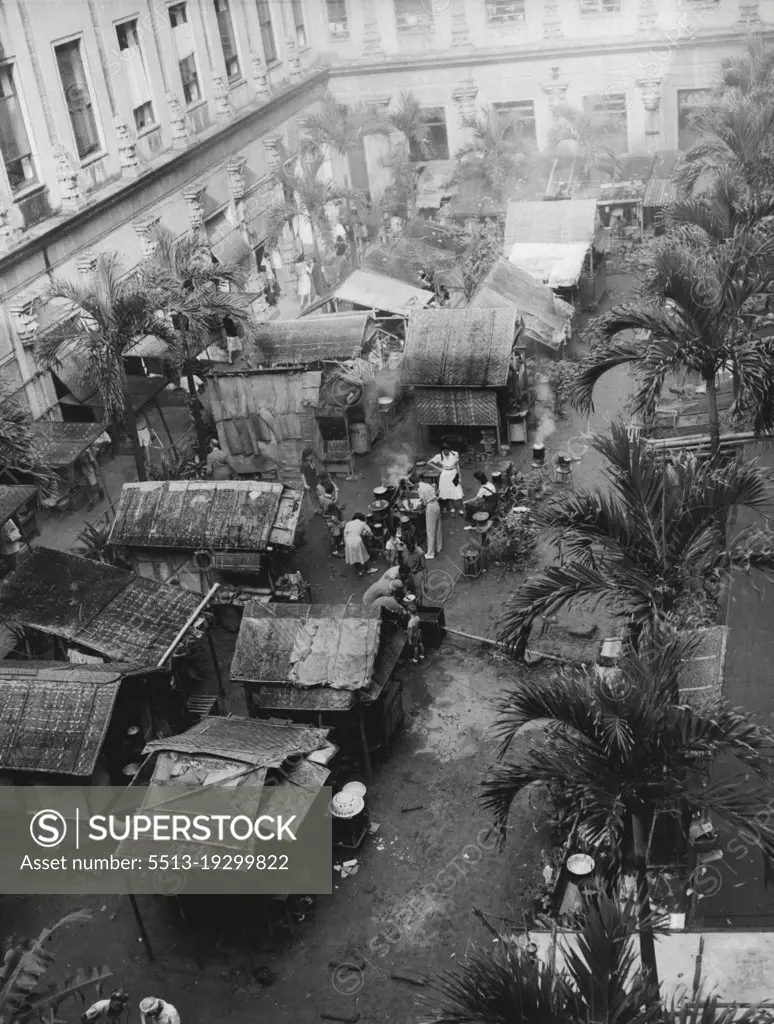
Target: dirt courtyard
(408,907)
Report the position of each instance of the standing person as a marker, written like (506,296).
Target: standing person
(156,1011)
(429,498)
(414,560)
(336,529)
(217,463)
(304,282)
(414,631)
(145,437)
(449,485)
(279,269)
(340,239)
(331,513)
(115,1010)
(355,551)
(310,479)
(91,476)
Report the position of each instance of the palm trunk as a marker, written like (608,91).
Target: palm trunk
(131,429)
(196,414)
(647,941)
(714,420)
(317,274)
(352,241)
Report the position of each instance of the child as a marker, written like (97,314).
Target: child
(336,529)
(414,630)
(394,548)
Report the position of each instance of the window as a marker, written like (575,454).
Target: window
(338,20)
(227,40)
(688,102)
(499,12)
(14,140)
(298,23)
(135,75)
(609,115)
(185,51)
(78,98)
(600,6)
(522,113)
(413,16)
(434,119)
(267,31)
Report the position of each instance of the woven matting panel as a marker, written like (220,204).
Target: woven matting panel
(450,407)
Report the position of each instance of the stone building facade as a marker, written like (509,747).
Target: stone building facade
(116,115)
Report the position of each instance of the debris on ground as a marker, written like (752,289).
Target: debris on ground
(414,807)
(409,979)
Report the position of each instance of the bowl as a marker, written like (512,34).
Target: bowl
(354,787)
(580,864)
(346,805)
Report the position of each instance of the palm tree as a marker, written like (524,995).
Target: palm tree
(718,214)
(647,545)
(615,753)
(338,127)
(181,274)
(500,148)
(700,319)
(16,440)
(751,74)
(580,134)
(735,134)
(595,977)
(408,120)
(109,313)
(307,194)
(23,999)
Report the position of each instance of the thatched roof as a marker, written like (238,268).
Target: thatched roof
(13,497)
(459,347)
(375,291)
(245,740)
(314,339)
(459,407)
(110,611)
(620,192)
(333,646)
(507,286)
(566,222)
(57,445)
(55,715)
(217,515)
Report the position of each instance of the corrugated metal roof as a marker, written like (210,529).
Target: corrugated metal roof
(660,192)
(55,716)
(562,223)
(438,407)
(97,606)
(219,515)
(12,497)
(620,192)
(374,291)
(307,646)
(459,347)
(309,340)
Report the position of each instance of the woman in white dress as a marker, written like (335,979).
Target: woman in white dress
(449,483)
(355,551)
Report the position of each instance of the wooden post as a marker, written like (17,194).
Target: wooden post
(218,676)
(141,928)
(366,753)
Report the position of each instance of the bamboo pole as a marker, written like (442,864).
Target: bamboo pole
(189,622)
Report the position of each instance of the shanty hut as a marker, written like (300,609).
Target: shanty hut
(96,609)
(620,207)
(661,189)
(364,289)
(324,665)
(547,318)
(308,383)
(17,522)
(560,244)
(203,532)
(466,369)
(72,723)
